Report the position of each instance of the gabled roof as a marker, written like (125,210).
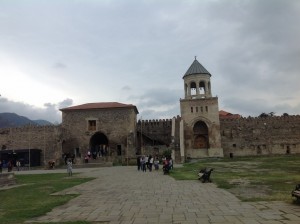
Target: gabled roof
(225,114)
(101,105)
(196,68)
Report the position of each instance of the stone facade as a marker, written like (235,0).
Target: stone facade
(156,136)
(46,138)
(261,136)
(239,137)
(105,129)
(198,132)
(200,115)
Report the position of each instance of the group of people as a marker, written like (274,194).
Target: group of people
(10,165)
(96,153)
(145,162)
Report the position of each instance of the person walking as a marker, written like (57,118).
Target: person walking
(143,164)
(138,162)
(69,168)
(18,164)
(150,163)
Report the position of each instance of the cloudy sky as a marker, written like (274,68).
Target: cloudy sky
(58,53)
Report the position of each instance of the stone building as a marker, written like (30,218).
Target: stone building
(112,131)
(200,125)
(104,129)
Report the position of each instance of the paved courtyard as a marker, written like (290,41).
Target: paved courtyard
(124,195)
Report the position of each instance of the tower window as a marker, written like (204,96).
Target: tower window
(193,88)
(191,109)
(206,108)
(202,87)
(92,125)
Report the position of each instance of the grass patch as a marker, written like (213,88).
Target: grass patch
(33,199)
(264,178)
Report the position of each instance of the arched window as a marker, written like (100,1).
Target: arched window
(193,88)
(202,87)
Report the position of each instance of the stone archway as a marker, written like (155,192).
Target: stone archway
(99,144)
(201,140)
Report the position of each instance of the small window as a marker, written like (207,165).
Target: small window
(206,108)
(92,125)
(288,150)
(234,145)
(191,109)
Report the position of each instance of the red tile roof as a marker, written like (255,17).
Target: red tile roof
(225,114)
(102,105)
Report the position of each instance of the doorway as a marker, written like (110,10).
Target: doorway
(99,145)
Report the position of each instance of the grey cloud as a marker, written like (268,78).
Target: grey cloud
(157,103)
(65,103)
(60,65)
(126,88)
(50,111)
(250,47)
(254,107)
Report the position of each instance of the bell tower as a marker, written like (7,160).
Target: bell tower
(200,125)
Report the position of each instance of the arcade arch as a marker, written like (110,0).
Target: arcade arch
(201,140)
(99,144)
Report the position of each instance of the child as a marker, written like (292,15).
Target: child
(69,168)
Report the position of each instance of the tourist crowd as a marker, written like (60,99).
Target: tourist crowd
(145,162)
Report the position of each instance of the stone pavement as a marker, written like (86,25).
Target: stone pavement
(123,195)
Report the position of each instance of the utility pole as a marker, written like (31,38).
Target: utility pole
(29,145)
(142,151)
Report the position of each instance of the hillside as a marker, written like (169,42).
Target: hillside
(8,120)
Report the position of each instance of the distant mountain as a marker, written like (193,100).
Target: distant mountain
(42,122)
(8,120)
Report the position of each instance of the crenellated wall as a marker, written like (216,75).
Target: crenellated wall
(156,129)
(240,137)
(157,136)
(261,136)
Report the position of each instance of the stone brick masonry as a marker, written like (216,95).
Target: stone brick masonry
(239,137)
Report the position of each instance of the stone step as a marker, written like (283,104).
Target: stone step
(93,164)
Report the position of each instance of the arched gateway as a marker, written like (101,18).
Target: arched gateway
(99,144)
(200,135)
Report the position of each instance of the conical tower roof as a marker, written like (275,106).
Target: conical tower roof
(196,68)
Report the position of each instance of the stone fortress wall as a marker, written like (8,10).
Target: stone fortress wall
(261,136)
(46,138)
(240,137)
(158,135)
